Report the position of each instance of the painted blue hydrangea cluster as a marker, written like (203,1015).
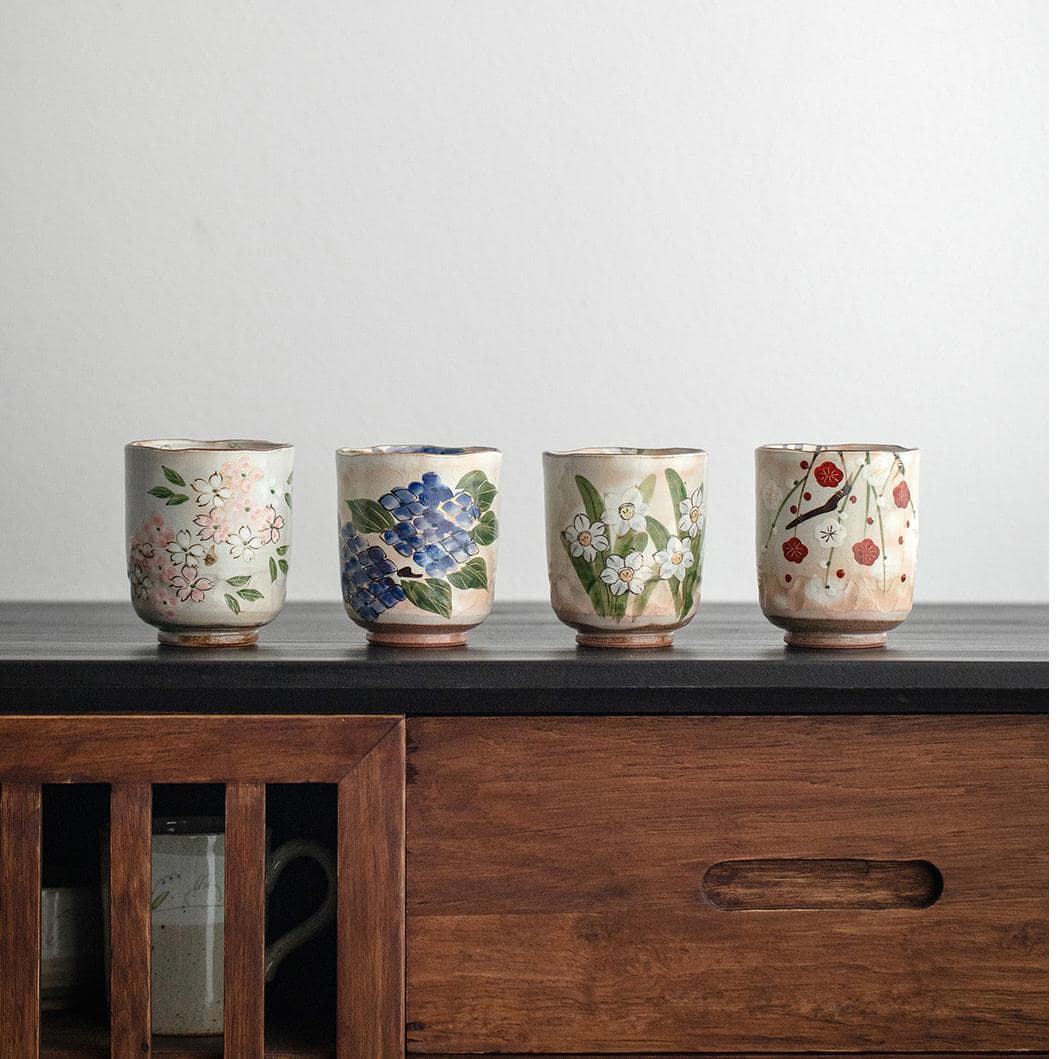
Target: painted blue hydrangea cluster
(431,524)
(368,582)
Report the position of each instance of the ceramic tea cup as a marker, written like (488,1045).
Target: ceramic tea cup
(418,528)
(71,943)
(209,534)
(837,530)
(187,919)
(625,532)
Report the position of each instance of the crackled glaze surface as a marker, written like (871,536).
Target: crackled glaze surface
(208,526)
(837,536)
(626,529)
(418,527)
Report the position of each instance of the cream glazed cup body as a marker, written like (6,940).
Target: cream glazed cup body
(837,536)
(418,529)
(208,537)
(625,534)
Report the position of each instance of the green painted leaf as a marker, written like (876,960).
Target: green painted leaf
(233,603)
(659,534)
(290,478)
(471,575)
(631,542)
(641,600)
(272,572)
(172,476)
(676,490)
(487,529)
(249,594)
(159,899)
(238,582)
(595,589)
(591,498)
(647,488)
(160,491)
(177,498)
(433,595)
(283,565)
(282,549)
(481,489)
(369,516)
(287,500)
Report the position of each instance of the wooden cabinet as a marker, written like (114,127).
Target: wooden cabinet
(727,884)
(728,848)
(362,756)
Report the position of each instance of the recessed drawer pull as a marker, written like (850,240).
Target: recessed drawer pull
(742,885)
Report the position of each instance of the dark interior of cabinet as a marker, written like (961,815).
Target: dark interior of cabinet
(299,1002)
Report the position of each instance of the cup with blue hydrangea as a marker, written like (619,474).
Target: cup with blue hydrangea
(418,527)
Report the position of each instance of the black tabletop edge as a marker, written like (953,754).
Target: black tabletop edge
(98,658)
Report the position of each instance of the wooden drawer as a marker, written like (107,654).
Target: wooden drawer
(555,884)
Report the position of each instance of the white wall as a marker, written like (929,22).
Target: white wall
(525,223)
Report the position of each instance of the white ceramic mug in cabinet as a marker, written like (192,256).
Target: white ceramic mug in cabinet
(187,920)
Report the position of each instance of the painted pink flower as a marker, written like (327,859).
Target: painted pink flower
(273,524)
(901,494)
(794,551)
(213,526)
(189,585)
(866,551)
(156,530)
(241,474)
(828,474)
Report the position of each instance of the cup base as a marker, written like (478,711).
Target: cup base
(232,638)
(835,640)
(417,638)
(625,640)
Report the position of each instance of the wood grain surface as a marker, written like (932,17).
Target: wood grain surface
(20,861)
(555,873)
(244,921)
(371,895)
(185,749)
(130,920)
(739,885)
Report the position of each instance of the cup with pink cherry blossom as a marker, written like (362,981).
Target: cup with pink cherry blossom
(208,537)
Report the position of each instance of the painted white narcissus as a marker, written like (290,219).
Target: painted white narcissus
(625,511)
(676,560)
(586,539)
(625,573)
(691,514)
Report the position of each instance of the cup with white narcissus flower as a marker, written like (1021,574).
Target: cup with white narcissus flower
(625,535)
(837,536)
(208,537)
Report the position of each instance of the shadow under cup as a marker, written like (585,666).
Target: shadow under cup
(837,539)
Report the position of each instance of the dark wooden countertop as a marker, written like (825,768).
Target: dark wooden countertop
(98,657)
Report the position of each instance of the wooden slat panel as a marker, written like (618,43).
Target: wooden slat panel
(244,921)
(371,904)
(20,846)
(130,920)
(177,748)
(555,868)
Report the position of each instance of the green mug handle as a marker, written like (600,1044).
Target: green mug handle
(282,947)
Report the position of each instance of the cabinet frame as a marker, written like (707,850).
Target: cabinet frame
(364,756)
